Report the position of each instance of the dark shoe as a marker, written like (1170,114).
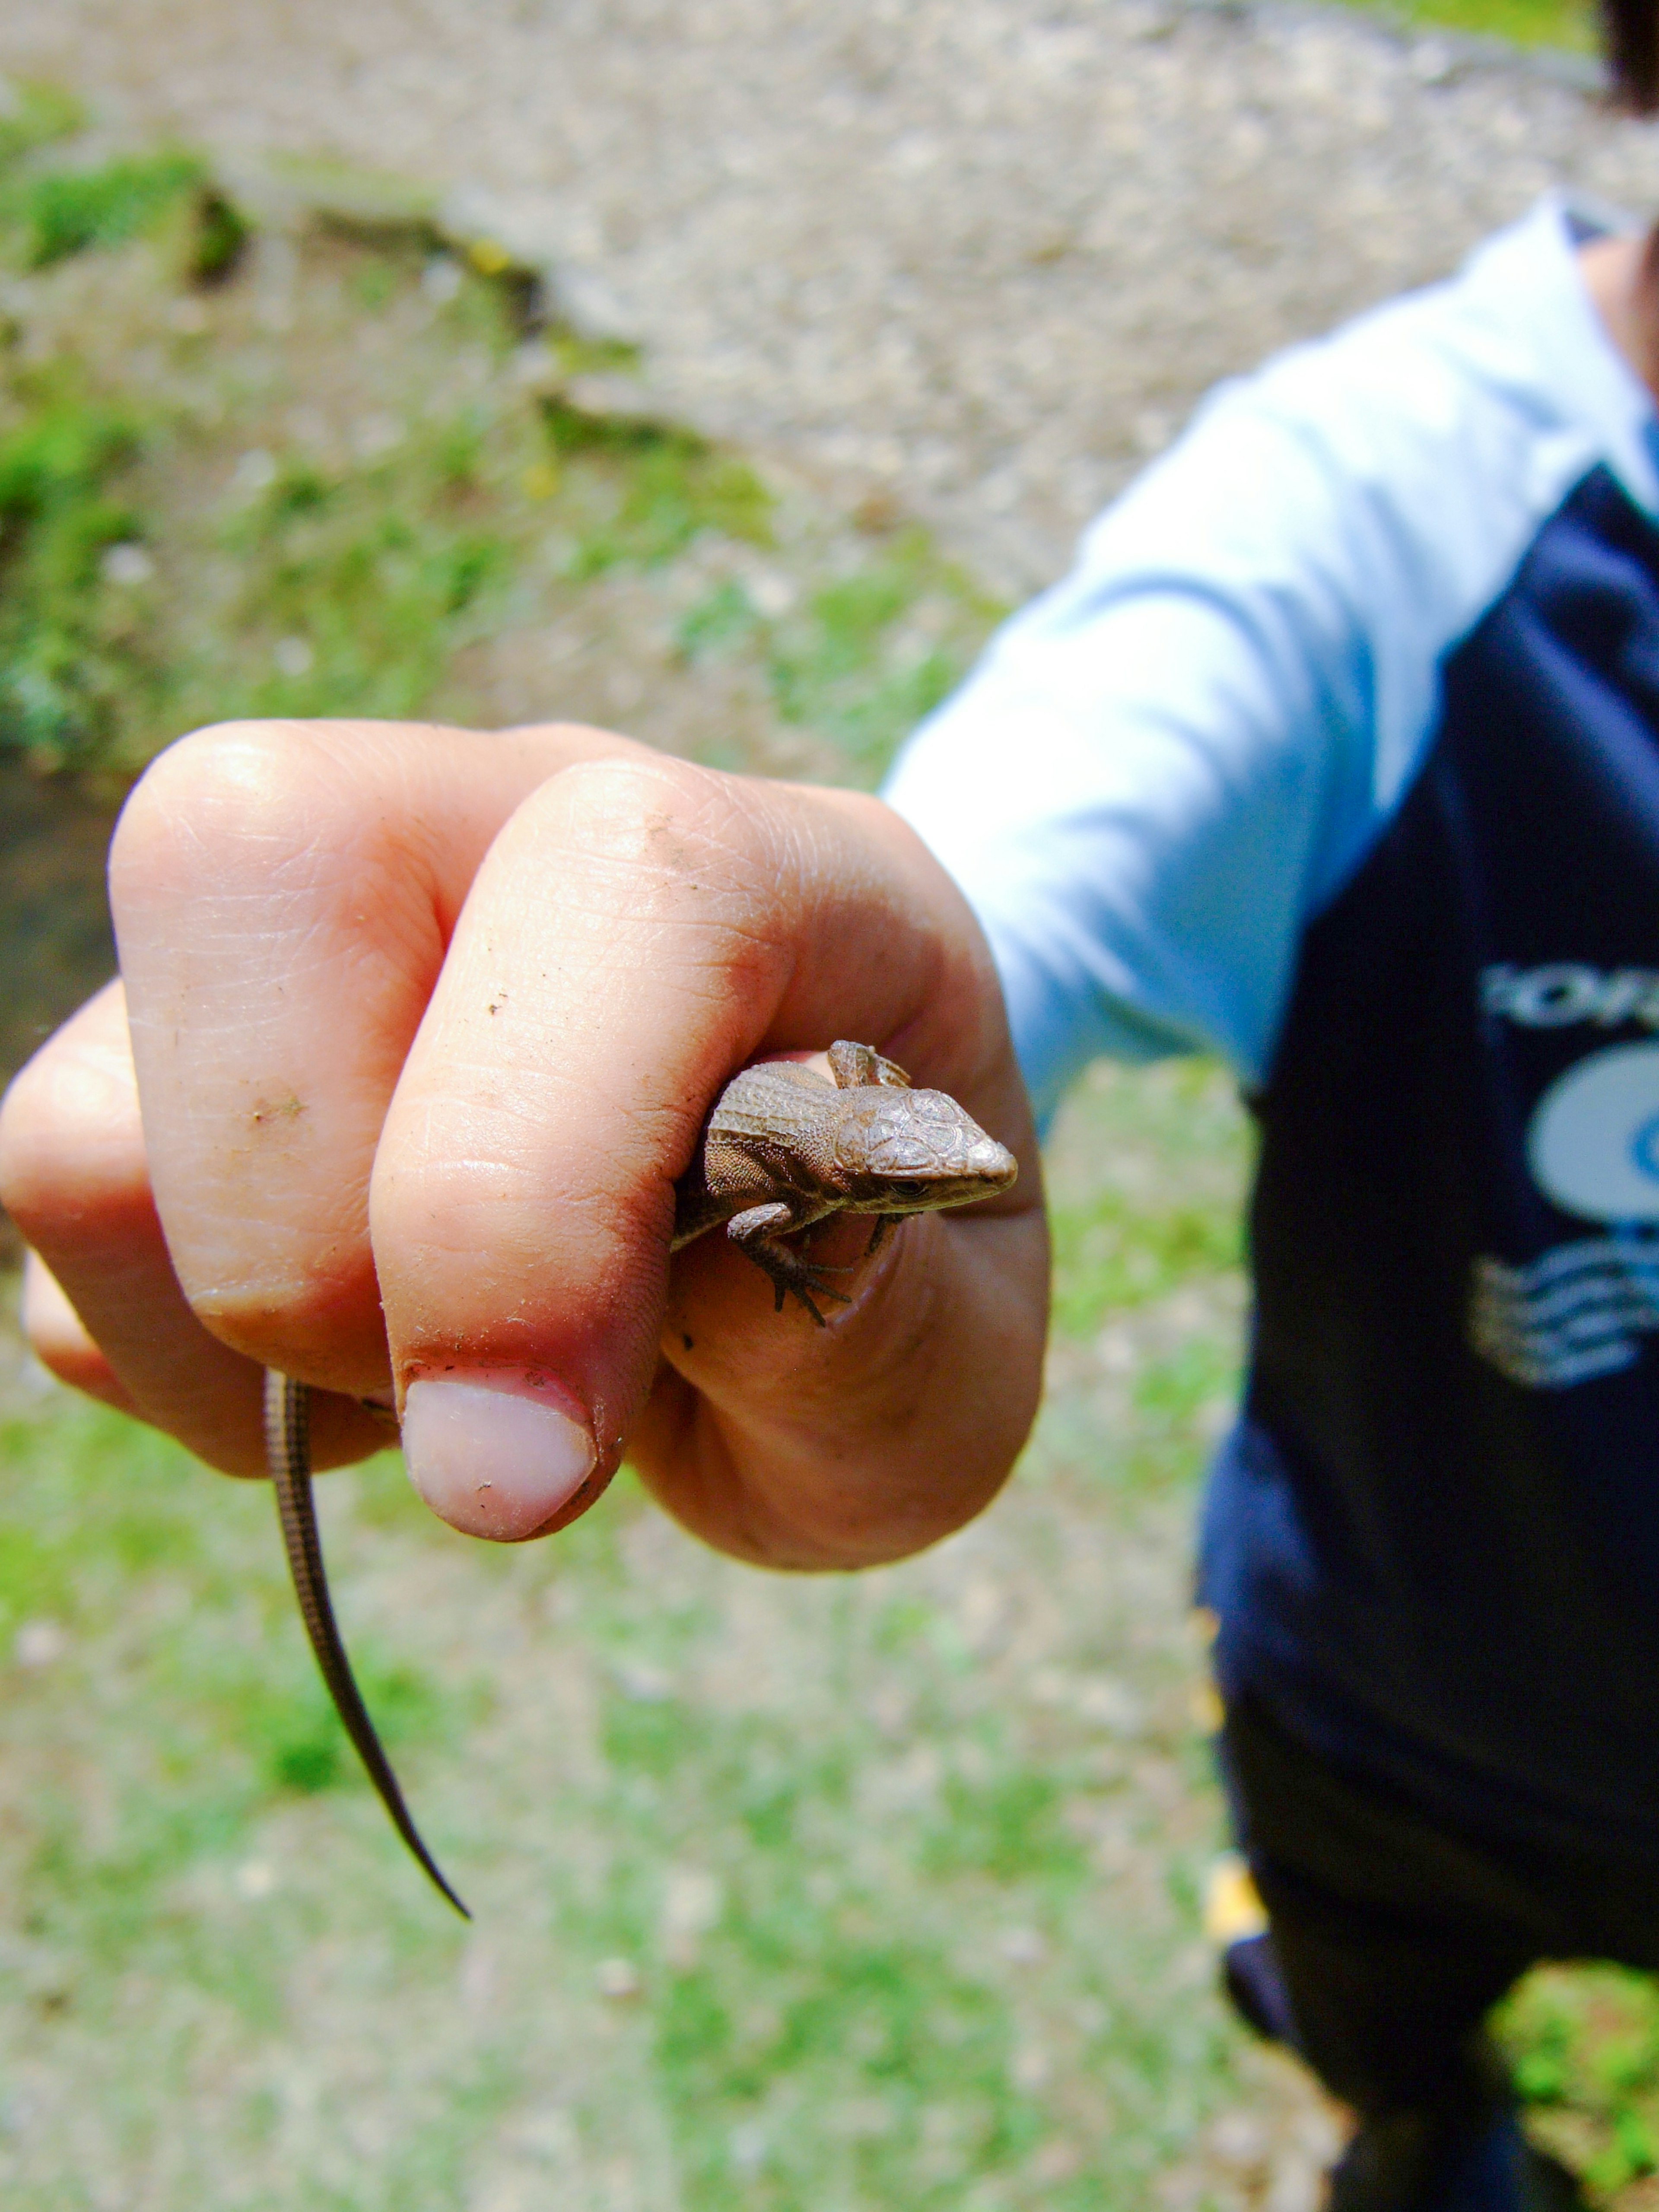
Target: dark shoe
(1255,1988)
(1410,2163)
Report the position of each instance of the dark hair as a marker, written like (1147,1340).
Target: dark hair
(1630,36)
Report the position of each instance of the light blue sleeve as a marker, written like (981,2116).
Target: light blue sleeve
(1167,764)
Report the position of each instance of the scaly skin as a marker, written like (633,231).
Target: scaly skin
(287,1450)
(782,1151)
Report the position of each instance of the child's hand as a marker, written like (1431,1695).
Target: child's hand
(425,1025)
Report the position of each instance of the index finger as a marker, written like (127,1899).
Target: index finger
(283,896)
(639,930)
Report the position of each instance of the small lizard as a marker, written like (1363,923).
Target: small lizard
(782,1151)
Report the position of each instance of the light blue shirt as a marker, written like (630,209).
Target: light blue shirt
(1163,767)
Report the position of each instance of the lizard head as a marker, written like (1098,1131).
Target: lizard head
(912,1152)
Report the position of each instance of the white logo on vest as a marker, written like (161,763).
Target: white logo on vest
(1592,1148)
(1564,992)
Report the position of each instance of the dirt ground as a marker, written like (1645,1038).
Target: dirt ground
(985,254)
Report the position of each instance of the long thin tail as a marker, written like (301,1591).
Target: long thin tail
(287,1450)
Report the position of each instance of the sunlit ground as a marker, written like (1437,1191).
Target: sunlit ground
(872,1892)
(789,1891)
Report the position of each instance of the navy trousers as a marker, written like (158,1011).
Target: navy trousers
(1393,1934)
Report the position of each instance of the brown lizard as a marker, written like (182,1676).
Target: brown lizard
(782,1151)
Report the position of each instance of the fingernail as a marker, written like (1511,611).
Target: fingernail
(494,1455)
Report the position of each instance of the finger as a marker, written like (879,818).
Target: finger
(105,1310)
(638,931)
(283,895)
(57,1337)
(899,1421)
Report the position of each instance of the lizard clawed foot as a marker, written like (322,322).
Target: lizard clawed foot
(758,1231)
(803,1282)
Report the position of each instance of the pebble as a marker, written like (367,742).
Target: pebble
(618,1979)
(39,1643)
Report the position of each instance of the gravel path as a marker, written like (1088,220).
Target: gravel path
(977,256)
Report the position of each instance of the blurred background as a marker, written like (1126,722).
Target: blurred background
(718,371)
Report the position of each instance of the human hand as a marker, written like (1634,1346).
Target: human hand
(419,1028)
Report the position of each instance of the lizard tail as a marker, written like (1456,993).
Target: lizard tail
(288,1448)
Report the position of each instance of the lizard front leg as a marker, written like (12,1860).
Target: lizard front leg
(758,1231)
(885,1223)
(857,1066)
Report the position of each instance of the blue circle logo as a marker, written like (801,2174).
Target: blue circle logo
(1644,1148)
(1593,1144)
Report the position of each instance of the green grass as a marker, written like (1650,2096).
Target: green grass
(1120,1253)
(864,655)
(896,1904)
(1586,2048)
(67,675)
(790,1893)
(35,115)
(60,212)
(1567,25)
(343,472)
(811,1901)
(1125,1234)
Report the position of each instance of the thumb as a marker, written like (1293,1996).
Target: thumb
(638,931)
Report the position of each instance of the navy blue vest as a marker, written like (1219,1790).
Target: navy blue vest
(1434,1539)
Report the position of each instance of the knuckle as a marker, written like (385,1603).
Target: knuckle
(668,815)
(69,1141)
(666,843)
(214,782)
(52,1329)
(632,782)
(237,803)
